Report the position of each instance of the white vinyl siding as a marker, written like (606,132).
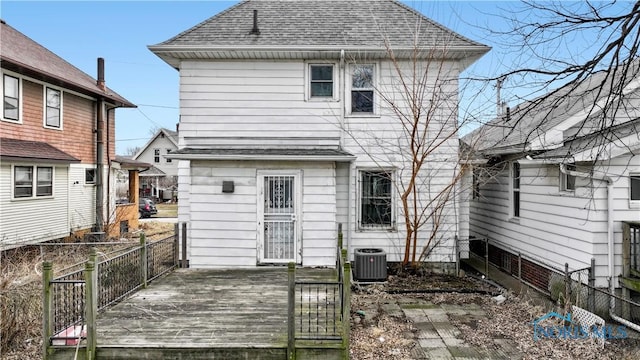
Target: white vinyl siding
(252,103)
(18,217)
(164,146)
(557,228)
(82,210)
(224,226)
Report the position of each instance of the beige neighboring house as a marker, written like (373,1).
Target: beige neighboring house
(161,179)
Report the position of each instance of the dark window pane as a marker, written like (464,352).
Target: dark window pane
(376,199)
(516,175)
(90,176)
(322,89)
(635,187)
(10,108)
(322,73)
(362,77)
(362,101)
(516,203)
(23,181)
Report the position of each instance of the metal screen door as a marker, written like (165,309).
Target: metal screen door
(279,218)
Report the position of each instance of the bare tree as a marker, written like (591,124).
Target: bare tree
(420,94)
(132,150)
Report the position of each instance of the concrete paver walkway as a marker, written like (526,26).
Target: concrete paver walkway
(440,339)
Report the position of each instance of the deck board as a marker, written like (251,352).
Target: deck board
(205,309)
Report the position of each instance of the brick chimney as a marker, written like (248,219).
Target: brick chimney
(100,81)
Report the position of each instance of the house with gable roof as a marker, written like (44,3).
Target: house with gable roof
(559,182)
(57,145)
(281,108)
(160,180)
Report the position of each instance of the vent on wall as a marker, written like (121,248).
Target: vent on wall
(370,265)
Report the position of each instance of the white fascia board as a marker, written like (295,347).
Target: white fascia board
(622,146)
(344,158)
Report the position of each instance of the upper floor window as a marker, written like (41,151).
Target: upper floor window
(515,189)
(475,195)
(24,181)
(376,200)
(168,152)
(11,98)
(156,156)
(568,182)
(321,81)
(362,89)
(634,187)
(53,113)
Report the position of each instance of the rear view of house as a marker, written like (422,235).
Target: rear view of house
(57,127)
(286,128)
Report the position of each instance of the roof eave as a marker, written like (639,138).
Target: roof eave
(240,157)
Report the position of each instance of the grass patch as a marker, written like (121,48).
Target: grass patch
(167,210)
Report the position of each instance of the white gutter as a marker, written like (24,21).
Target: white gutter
(260,157)
(610,243)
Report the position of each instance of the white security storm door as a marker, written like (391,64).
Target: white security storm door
(277,217)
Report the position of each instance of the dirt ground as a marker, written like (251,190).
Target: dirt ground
(389,335)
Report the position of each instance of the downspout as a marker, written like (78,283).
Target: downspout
(342,102)
(99,226)
(109,169)
(610,239)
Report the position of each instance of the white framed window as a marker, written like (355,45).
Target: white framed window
(634,187)
(363,82)
(475,190)
(568,182)
(167,159)
(11,98)
(90,176)
(32,181)
(52,108)
(156,156)
(376,210)
(514,184)
(322,85)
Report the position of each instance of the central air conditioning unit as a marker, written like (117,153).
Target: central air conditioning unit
(370,265)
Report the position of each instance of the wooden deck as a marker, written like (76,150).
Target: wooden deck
(203,314)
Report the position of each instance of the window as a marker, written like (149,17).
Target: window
(376,208)
(168,152)
(53,115)
(634,185)
(568,182)
(362,89)
(90,176)
(156,156)
(24,184)
(476,184)
(515,189)
(321,85)
(11,98)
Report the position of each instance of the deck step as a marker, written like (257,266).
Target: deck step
(222,353)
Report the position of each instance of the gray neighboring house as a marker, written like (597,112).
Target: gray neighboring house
(556,182)
(268,89)
(161,179)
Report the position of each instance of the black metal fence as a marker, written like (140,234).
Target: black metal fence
(70,299)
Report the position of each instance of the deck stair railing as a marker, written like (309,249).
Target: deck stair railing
(71,301)
(320,310)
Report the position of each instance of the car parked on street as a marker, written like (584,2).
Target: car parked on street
(146,208)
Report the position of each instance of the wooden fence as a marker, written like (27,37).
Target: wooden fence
(72,301)
(320,310)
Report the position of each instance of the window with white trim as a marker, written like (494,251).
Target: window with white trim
(568,182)
(475,184)
(10,98)
(90,176)
(26,185)
(168,159)
(515,189)
(362,89)
(634,186)
(376,199)
(321,84)
(53,108)
(156,156)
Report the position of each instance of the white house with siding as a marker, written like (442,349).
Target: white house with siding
(281,126)
(557,180)
(160,179)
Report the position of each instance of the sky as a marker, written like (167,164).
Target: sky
(120,31)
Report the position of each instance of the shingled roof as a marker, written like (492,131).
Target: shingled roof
(21,54)
(25,150)
(320,25)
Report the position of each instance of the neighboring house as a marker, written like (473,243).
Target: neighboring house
(269,93)
(53,181)
(159,181)
(558,180)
